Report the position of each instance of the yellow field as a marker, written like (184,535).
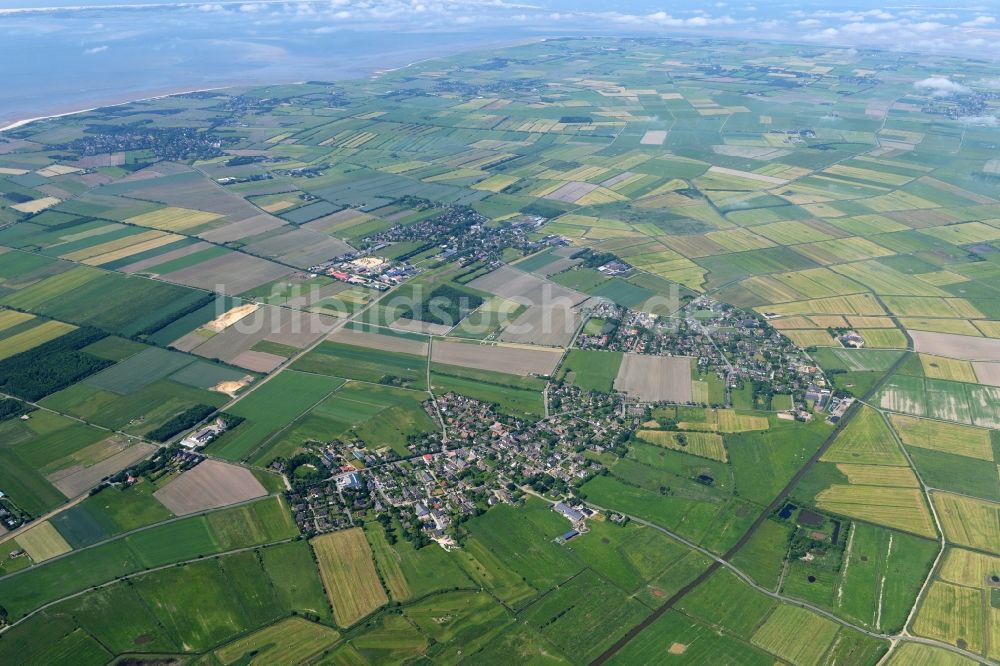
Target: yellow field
(37,205)
(878,475)
(969,522)
(151,244)
(956,326)
(855,304)
(883,338)
(814,337)
(173,219)
(11,318)
(349,576)
(940,367)
(704,444)
(495,183)
(951,614)
(43,542)
(948,437)
(931,306)
(796,635)
(990,329)
(918,654)
(901,508)
(290,641)
(111,246)
(730,421)
(969,568)
(866,439)
(31,338)
(869,322)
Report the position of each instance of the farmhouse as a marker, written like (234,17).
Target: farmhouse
(568,512)
(201,438)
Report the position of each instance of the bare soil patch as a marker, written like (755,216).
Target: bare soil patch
(655,378)
(964,347)
(498,358)
(209,485)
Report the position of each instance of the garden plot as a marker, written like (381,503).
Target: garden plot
(511,359)
(962,347)
(209,485)
(655,378)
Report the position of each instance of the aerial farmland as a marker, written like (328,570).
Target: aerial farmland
(579,351)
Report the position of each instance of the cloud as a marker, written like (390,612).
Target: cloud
(979,22)
(96,49)
(981,121)
(940,86)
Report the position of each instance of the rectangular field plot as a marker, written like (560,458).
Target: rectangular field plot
(349,576)
(291,641)
(866,439)
(584,616)
(511,359)
(796,635)
(969,522)
(900,508)
(962,347)
(42,542)
(952,614)
(942,399)
(704,444)
(945,437)
(269,409)
(209,485)
(364,363)
(655,378)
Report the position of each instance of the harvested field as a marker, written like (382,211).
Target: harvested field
(987,373)
(540,325)
(243,229)
(257,361)
(655,378)
(878,475)
(233,273)
(417,326)
(286,327)
(942,367)
(511,359)
(969,568)
(42,542)
(653,138)
(390,343)
(947,437)
(179,253)
(900,508)
(209,485)
(300,247)
(349,576)
(527,289)
(969,522)
(748,175)
(77,480)
(704,444)
(570,192)
(962,347)
(952,614)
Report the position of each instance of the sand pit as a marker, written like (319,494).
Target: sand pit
(227,319)
(209,485)
(232,388)
(655,378)
(964,347)
(516,360)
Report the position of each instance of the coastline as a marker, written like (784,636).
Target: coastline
(369,72)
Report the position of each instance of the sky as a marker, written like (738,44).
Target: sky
(62,55)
